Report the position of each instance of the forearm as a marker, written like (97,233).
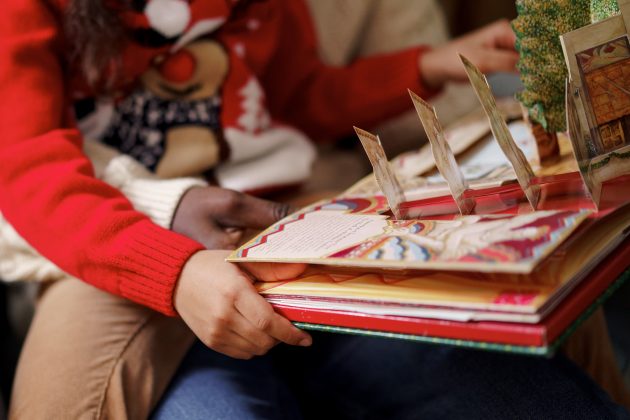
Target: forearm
(371,90)
(156,198)
(327,101)
(48,191)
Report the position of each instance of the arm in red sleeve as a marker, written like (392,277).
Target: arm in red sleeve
(48,191)
(327,101)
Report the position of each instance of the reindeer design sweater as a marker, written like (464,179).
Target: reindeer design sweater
(48,190)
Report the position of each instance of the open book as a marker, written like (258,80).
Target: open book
(356,233)
(504,275)
(505,259)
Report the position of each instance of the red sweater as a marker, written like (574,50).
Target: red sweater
(48,191)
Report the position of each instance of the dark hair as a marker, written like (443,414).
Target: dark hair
(95,36)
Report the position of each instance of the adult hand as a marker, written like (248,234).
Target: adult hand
(221,306)
(217,217)
(491,49)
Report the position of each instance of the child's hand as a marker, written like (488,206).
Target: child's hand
(490,48)
(217,217)
(221,306)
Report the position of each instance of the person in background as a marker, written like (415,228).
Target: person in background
(347,30)
(236,128)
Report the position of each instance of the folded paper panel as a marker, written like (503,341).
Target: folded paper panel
(383,172)
(522,168)
(443,155)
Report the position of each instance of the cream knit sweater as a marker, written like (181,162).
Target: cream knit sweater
(157,198)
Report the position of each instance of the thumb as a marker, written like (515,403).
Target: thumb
(213,237)
(266,271)
(235,235)
(501,35)
(255,213)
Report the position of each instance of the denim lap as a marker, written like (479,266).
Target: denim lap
(354,377)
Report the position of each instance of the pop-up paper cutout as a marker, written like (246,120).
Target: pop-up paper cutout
(383,172)
(598,98)
(579,138)
(442,154)
(522,168)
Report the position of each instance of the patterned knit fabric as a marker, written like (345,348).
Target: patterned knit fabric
(142,120)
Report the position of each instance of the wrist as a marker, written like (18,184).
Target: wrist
(179,213)
(188,271)
(431,69)
(196,275)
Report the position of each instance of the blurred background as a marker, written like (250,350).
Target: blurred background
(349,29)
(463,16)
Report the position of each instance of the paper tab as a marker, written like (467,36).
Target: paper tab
(577,135)
(383,172)
(443,155)
(524,172)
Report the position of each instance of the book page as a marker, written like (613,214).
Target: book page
(316,235)
(490,243)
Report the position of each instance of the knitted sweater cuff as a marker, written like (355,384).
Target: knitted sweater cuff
(158,199)
(153,265)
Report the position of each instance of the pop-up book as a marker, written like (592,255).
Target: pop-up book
(510,262)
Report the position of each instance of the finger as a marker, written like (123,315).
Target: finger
(506,40)
(265,271)
(233,352)
(236,341)
(246,211)
(492,61)
(235,234)
(247,235)
(260,342)
(262,316)
(213,237)
(283,330)
(500,35)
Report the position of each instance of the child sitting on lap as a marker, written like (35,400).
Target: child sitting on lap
(186,88)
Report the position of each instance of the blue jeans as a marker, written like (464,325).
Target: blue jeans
(617,311)
(352,377)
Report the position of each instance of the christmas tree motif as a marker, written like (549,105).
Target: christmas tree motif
(602,9)
(543,71)
(255,116)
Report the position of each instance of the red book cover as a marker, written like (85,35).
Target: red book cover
(541,334)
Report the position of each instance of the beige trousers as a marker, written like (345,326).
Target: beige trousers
(92,355)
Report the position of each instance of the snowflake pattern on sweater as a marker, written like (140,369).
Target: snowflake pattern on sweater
(141,121)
